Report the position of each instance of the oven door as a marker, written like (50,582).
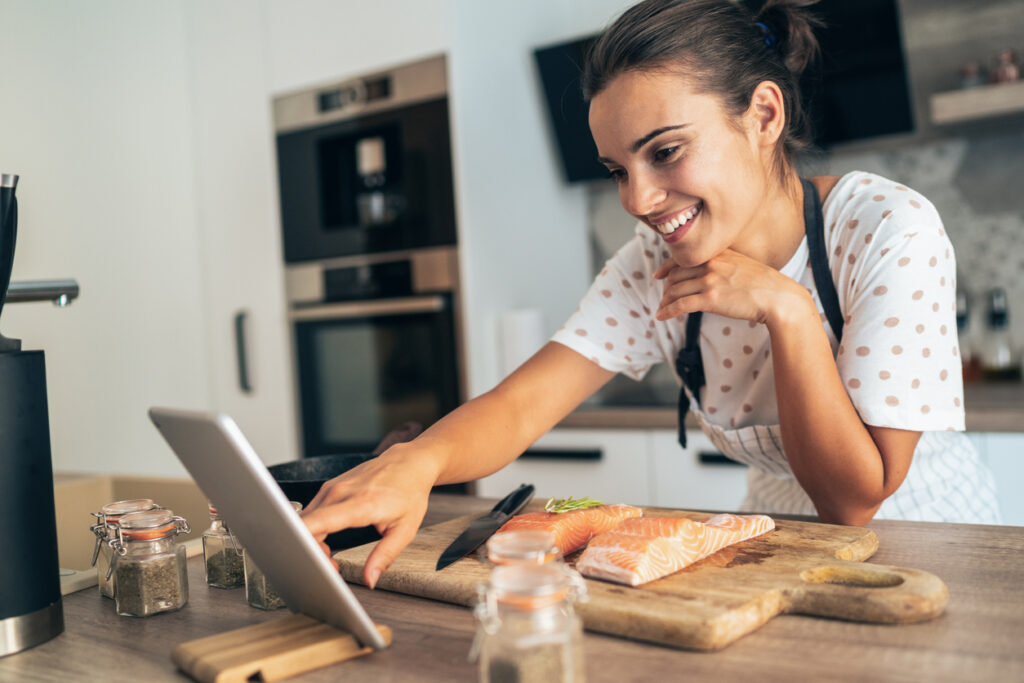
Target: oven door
(366,367)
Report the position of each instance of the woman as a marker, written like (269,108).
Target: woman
(811,322)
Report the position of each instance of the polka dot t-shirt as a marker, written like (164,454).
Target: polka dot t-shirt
(894,271)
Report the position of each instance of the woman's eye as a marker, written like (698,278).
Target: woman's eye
(664,153)
(617,174)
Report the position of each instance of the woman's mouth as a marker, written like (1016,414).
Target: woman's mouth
(676,226)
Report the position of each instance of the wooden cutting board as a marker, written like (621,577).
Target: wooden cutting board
(799,568)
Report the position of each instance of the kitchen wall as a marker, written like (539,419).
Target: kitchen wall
(143,137)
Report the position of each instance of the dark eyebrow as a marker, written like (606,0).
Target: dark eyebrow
(636,146)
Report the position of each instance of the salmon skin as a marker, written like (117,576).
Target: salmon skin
(647,548)
(573,529)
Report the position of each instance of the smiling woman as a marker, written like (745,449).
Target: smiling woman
(810,321)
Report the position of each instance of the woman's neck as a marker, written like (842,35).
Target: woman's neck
(778,226)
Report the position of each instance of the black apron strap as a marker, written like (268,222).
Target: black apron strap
(689,364)
(690,367)
(814,224)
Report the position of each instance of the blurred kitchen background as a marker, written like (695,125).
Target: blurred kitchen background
(146,139)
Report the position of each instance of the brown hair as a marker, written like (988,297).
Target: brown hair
(725,47)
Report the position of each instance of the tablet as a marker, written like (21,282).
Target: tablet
(231,475)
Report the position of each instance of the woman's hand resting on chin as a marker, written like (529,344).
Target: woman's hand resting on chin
(730,284)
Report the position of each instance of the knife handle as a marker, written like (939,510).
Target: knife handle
(515,501)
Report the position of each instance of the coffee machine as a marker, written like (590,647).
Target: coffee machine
(31,611)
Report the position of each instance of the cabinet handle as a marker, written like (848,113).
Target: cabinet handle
(243,366)
(716,458)
(563,454)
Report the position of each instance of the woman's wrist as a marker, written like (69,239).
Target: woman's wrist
(412,456)
(791,308)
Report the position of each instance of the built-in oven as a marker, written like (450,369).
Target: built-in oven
(371,255)
(375,344)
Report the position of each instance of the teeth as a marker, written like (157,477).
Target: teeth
(668,227)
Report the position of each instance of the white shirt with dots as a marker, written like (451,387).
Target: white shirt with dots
(895,275)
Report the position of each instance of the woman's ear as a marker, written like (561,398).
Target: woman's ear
(767,113)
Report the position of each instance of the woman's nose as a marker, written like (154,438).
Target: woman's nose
(640,195)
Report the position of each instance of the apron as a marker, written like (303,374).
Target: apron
(946,480)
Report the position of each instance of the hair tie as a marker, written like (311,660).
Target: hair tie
(769,37)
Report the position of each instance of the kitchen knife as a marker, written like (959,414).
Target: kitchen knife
(482,528)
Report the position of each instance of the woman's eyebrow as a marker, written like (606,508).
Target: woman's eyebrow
(653,134)
(644,140)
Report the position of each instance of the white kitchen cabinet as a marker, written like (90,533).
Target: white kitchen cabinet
(561,467)
(641,467)
(682,478)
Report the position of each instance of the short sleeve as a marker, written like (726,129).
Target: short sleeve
(899,357)
(614,325)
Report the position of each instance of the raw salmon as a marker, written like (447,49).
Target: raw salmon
(648,548)
(573,529)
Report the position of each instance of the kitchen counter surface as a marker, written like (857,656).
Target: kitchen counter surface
(990,408)
(978,638)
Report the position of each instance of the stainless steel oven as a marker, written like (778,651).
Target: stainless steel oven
(375,345)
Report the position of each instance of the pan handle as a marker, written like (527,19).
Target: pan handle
(869,593)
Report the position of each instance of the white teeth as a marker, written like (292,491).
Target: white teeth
(668,227)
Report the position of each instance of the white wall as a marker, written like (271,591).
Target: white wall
(94,116)
(143,137)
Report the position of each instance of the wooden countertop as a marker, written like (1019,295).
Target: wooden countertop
(978,638)
(990,408)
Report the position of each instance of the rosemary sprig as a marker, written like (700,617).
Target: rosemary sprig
(560,505)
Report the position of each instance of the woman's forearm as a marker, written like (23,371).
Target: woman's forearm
(829,449)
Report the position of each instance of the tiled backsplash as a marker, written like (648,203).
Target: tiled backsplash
(976,184)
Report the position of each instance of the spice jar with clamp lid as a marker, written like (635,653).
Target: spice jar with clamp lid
(149,568)
(105,530)
(528,628)
(222,553)
(258,591)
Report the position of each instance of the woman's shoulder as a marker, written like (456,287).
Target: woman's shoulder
(863,195)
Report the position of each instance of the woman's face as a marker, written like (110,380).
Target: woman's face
(682,167)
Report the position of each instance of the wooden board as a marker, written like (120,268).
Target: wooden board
(271,651)
(800,567)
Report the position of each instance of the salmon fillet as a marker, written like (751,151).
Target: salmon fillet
(647,548)
(573,529)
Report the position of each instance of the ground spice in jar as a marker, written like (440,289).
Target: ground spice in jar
(105,530)
(258,591)
(149,568)
(224,569)
(145,588)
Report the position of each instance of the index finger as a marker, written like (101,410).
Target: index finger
(330,518)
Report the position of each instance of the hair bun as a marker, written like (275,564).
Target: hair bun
(791,26)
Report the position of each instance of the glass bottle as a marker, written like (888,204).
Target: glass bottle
(222,554)
(258,591)
(105,529)
(528,629)
(522,547)
(999,360)
(968,354)
(150,571)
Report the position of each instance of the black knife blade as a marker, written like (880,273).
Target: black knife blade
(482,528)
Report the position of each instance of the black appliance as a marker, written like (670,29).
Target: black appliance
(31,610)
(368,221)
(862,63)
(364,166)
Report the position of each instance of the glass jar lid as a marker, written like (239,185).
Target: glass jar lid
(150,524)
(533,546)
(529,586)
(112,512)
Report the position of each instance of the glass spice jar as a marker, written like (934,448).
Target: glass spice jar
(258,591)
(105,530)
(522,547)
(149,568)
(222,554)
(528,630)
